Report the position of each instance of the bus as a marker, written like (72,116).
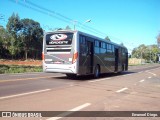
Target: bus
(73,53)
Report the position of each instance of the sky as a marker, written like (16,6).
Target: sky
(131,22)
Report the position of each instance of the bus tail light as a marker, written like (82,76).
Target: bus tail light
(42,56)
(75,56)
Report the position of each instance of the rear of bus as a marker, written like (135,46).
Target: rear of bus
(60,52)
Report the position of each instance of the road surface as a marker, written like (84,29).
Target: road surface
(135,90)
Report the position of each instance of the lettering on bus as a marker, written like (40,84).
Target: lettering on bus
(58,42)
(59,39)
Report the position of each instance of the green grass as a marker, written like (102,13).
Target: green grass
(136,64)
(19,69)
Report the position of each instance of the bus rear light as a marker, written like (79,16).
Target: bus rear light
(42,56)
(75,56)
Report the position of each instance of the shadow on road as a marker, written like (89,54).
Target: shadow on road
(90,77)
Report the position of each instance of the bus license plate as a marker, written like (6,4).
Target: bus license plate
(48,60)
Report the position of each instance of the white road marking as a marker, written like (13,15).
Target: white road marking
(17,95)
(141,81)
(124,75)
(121,90)
(99,80)
(71,85)
(69,111)
(151,73)
(149,77)
(129,74)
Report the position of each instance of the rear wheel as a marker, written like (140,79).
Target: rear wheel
(97,71)
(71,75)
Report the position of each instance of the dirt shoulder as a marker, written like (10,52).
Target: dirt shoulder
(22,62)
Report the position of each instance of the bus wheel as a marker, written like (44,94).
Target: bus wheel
(71,75)
(96,72)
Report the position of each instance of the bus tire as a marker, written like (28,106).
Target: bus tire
(97,71)
(123,67)
(71,75)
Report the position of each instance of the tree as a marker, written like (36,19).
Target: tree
(158,40)
(149,53)
(107,38)
(58,29)
(139,51)
(154,53)
(122,44)
(1,41)
(4,43)
(14,25)
(68,28)
(25,38)
(31,35)
(13,28)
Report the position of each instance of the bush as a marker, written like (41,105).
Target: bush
(19,69)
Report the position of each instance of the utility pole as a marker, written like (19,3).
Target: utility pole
(74,24)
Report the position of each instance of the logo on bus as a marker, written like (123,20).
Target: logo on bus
(58,37)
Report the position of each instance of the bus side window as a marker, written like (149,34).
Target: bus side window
(110,49)
(83,48)
(96,48)
(103,47)
(113,49)
(82,39)
(124,52)
(96,43)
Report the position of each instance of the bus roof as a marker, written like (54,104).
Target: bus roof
(83,33)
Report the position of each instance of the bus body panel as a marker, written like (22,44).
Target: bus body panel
(83,54)
(58,68)
(59,57)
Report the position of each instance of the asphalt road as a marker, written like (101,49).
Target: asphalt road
(135,90)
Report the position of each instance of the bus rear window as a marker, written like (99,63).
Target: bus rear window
(59,39)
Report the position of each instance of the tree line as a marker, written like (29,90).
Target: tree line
(149,53)
(22,39)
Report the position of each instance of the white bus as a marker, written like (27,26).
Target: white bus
(78,53)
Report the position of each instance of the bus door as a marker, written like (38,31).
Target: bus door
(89,62)
(126,61)
(116,59)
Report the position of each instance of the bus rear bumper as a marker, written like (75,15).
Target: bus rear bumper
(59,69)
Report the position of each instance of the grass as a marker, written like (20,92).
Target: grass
(136,64)
(142,64)
(19,69)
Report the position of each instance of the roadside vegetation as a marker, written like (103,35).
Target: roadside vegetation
(147,54)
(19,69)
(20,66)
(21,39)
